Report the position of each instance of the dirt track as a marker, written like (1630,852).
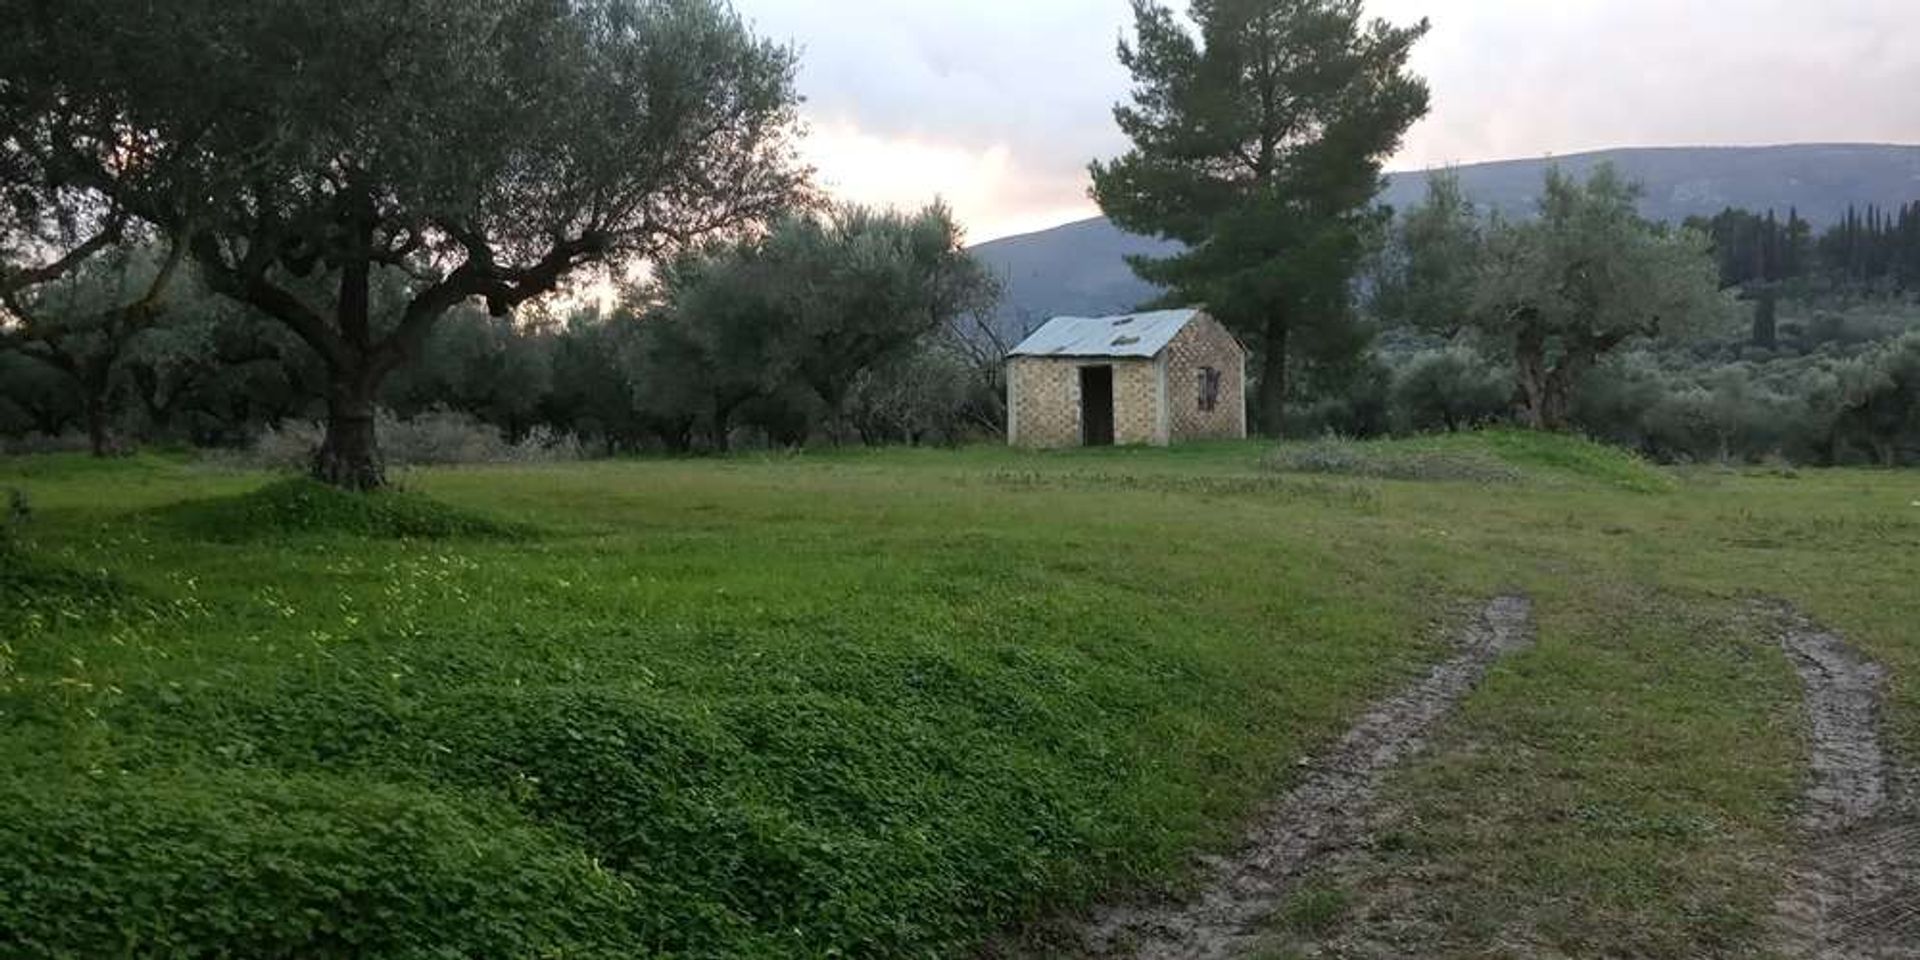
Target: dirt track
(1856,891)
(1321,816)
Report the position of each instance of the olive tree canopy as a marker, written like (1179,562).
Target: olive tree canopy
(1589,274)
(477,149)
(820,301)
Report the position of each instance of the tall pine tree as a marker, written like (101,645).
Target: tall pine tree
(1258,138)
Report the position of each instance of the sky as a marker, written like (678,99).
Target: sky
(998,105)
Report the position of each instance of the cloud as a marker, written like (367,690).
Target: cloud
(1515,78)
(988,185)
(998,105)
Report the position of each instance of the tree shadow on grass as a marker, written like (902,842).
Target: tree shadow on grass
(302,507)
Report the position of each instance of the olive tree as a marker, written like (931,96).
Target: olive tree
(1426,273)
(714,342)
(800,315)
(470,150)
(1882,402)
(83,323)
(1589,274)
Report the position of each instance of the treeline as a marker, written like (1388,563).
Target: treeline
(1869,250)
(848,325)
(1591,318)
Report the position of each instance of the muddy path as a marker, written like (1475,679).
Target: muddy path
(1320,817)
(1855,892)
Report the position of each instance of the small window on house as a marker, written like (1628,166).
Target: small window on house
(1209,389)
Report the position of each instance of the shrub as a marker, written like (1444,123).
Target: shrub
(1354,401)
(288,447)
(435,438)
(923,397)
(1451,389)
(1682,426)
(303,507)
(1882,410)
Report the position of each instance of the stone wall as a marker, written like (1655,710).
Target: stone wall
(1202,345)
(1043,401)
(1154,401)
(1136,403)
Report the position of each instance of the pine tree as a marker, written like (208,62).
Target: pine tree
(1258,138)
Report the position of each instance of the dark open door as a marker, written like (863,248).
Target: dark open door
(1096,406)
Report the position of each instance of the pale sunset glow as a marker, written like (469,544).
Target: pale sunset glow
(993,193)
(998,105)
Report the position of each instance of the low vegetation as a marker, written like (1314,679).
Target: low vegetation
(872,702)
(297,507)
(1373,459)
(1490,457)
(679,709)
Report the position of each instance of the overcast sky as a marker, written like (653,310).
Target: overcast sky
(998,105)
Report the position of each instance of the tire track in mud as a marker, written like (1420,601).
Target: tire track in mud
(1856,891)
(1320,817)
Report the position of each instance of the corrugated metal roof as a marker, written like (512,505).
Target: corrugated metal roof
(1133,335)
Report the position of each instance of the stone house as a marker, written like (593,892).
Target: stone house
(1145,378)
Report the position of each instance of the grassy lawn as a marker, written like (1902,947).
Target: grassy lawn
(887,704)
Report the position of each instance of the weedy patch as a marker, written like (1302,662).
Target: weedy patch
(34,588)
(1488,457)
(1573,457)
(1335,494)
(1355,459)
(303,507)
(1315,910)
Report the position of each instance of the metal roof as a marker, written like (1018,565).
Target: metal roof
(1133,335)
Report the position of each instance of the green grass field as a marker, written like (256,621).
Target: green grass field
(893,703)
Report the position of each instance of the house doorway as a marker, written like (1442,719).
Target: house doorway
(1096,406)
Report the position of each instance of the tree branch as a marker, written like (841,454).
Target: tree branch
(249,284)
(503,289)
(34,276)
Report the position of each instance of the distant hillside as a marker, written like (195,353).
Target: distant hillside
(1820,180)
(1076,270)
(1080,268)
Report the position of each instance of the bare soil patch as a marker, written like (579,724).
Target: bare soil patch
(1322,816)
(1856,891)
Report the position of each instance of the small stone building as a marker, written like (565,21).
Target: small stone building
(1144,378)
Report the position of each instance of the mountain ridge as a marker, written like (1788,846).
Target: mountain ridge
(1080,268)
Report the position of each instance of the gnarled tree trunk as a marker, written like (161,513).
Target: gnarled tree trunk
(1546,388)
(349,456)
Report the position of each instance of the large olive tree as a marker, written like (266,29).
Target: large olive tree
(1555,293)
(473,149)
(1587,275)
